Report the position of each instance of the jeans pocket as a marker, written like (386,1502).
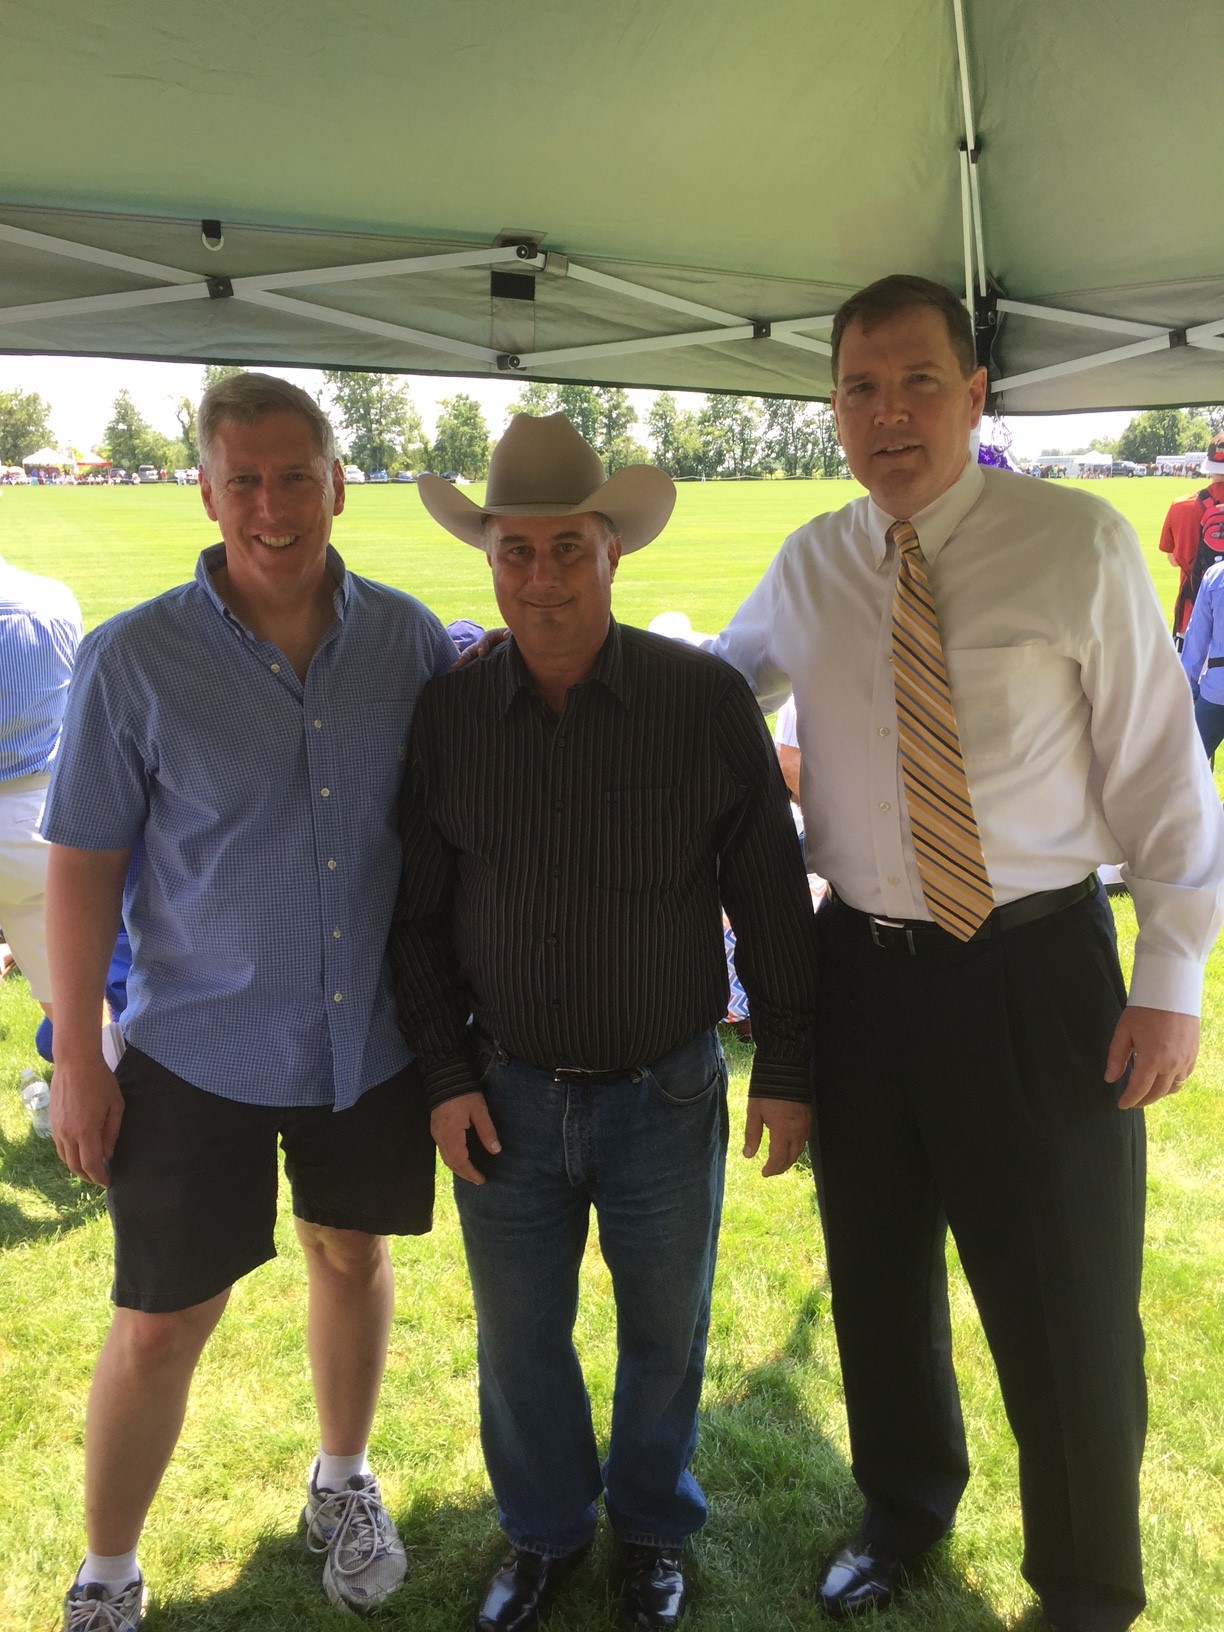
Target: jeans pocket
(691,1075)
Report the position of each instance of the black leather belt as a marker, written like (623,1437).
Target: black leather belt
(575,1077)
(916,935)
(1215,662)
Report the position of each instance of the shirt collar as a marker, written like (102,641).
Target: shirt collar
(609,670)
(936,524)
(213,558)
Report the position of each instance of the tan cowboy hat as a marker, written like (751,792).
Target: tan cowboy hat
(542,467)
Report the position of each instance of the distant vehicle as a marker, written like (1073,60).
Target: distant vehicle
(450,475)
(1121,468)
(148,473)
(353,475)
(404,476)
(378,476)
(187,478)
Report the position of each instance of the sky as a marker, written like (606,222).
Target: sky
(82,391)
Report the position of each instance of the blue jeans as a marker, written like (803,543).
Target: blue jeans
(649,1152)
(1209,717)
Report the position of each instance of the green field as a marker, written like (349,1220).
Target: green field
(119,545)
(220,1550)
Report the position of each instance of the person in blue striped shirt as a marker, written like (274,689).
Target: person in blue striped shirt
(240,742)
(1203,658)
(40,630)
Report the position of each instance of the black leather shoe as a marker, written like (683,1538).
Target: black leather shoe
(520,1593)
(655,1591)
(859,1576)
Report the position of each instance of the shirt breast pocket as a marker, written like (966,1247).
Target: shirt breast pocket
(637,839)
(993,693)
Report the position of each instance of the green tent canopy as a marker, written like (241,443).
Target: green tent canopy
(647,192)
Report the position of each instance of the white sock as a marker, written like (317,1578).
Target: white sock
(334,1472)
(113,1571)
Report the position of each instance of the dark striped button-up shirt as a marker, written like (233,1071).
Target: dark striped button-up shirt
(563,874)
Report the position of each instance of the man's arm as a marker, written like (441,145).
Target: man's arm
(1160,803)
(1197,645)
(84,902)
(747,641)
(430,994)
(765,892)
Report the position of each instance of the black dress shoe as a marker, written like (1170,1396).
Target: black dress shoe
(520,1593)
(859,1576)
(655,1591)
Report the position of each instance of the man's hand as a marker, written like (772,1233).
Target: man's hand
(449,1125)
(789,1123)
(1164,1046)
(488,642)
(86,1109)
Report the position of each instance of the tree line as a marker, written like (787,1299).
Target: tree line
(380,429)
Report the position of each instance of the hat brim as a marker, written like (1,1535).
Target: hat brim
(637,500)
(1213,469)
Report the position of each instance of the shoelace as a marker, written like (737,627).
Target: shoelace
(350,1525)
(100,1614)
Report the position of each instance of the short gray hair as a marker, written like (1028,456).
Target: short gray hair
(244,399)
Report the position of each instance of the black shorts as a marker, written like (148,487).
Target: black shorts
(192,1196)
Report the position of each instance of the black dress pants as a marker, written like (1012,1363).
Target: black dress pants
(964,1086)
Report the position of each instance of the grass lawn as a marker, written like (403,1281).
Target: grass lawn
(220,1549)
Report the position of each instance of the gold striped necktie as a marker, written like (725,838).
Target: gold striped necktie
(951,865)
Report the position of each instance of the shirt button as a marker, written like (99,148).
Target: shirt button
(893,880)
(318,725)
(551,941)
(884,805)
(884,731)
(276,668)
(335,934)
(324,793)
(331,866)
(337,997)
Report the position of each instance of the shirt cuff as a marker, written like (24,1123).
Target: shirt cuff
(774,1081)
(448,1078)
(1159,981)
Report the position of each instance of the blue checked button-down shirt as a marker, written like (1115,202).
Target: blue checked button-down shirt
(1205,638)
(40,629)
(262,816)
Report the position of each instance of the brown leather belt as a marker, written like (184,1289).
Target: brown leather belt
(916,935)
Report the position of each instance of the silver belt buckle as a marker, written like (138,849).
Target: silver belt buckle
(877,924)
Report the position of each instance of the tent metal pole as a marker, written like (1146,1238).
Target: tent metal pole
(1082,320)
(97,257)
(627,348)
(969,172)
(1080,365)
(801,342)
(369,270)
(366,325)
(653,297)
(123,301)
(1207,336)
(967,233)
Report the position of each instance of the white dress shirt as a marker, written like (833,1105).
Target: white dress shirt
(1075,717)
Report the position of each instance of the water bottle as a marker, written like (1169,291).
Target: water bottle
(36,1097)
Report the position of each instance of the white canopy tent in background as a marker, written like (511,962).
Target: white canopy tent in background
(644,192)
(49,459)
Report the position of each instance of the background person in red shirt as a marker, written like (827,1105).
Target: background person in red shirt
(1193,523)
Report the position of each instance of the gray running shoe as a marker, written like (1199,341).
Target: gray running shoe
(366,1561)
(95,1609)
